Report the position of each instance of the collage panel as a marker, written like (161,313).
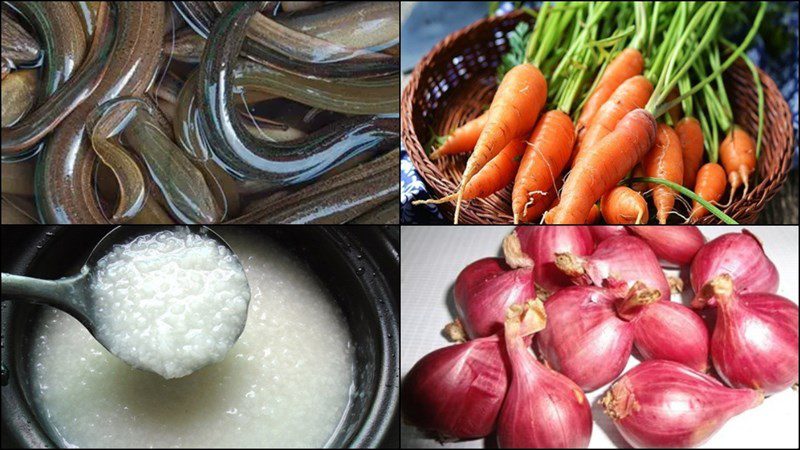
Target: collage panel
(597,112)
(194,336)
(156,112)
(599,337)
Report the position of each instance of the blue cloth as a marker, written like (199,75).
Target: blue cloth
(426,26)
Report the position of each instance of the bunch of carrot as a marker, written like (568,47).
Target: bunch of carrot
(616,139)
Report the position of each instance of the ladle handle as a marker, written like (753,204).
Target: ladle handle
(59,293)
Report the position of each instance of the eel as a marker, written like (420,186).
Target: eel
(19,94)
(64,42)
(64,172)
(275,163)
(275,45)
(338,199)
(17,141)
(367,25)
(18,46)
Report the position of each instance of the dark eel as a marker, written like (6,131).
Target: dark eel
(275,45)
(19,93)
(274,163)
(18,46)
(64,176)
(338,199)
(366,25)
(17,140)
(59,28)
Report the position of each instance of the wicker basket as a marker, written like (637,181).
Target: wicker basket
(456,80)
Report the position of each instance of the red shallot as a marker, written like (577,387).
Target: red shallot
(485,289)
(592,330)
(676,244)
(584,338)
(543,409)
(602,232)
(665,404)
(739,255)
(754,344)
(537,246)
(623,258)
(456,392)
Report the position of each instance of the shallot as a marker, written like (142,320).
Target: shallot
(537,247)
(584,338)
(754,344)
(738,255)
(665,404)
(456,392)
(543,409)
(602,232)
(623,258)
(485,289)
(676,245)
(592,330)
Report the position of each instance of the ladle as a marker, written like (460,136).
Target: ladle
(73,294)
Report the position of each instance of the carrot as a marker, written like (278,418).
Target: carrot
(738,155)
(691,136)
(638,172)
(536,208)
(710,186)
(626,64)
(676,111)
(623,206)
(594,215)
(494,176)
(462,139)
(546,155)
(514,110)
(631,94)
(664,160)
(603,165)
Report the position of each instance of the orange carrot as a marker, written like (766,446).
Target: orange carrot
(537,207)
(710,186)
(691,137)
(494,176)
(627,64)
(462,139)
(602,166)
(638,172)
(738,155)
(676,111)
(514,110)
(664,160)
(594,215)
(546,154)
(623,206)
(631,94)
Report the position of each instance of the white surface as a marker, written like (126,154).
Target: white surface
(433,257)
(285,383)
(169,302)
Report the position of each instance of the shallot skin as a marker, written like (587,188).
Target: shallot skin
(754,344)
(584,339)
(621,258)
(456,392)
(663,404)
(671,331)
(602,232)
(675,244)
(543,409)
(739,255)
(537,246)
(485,289)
